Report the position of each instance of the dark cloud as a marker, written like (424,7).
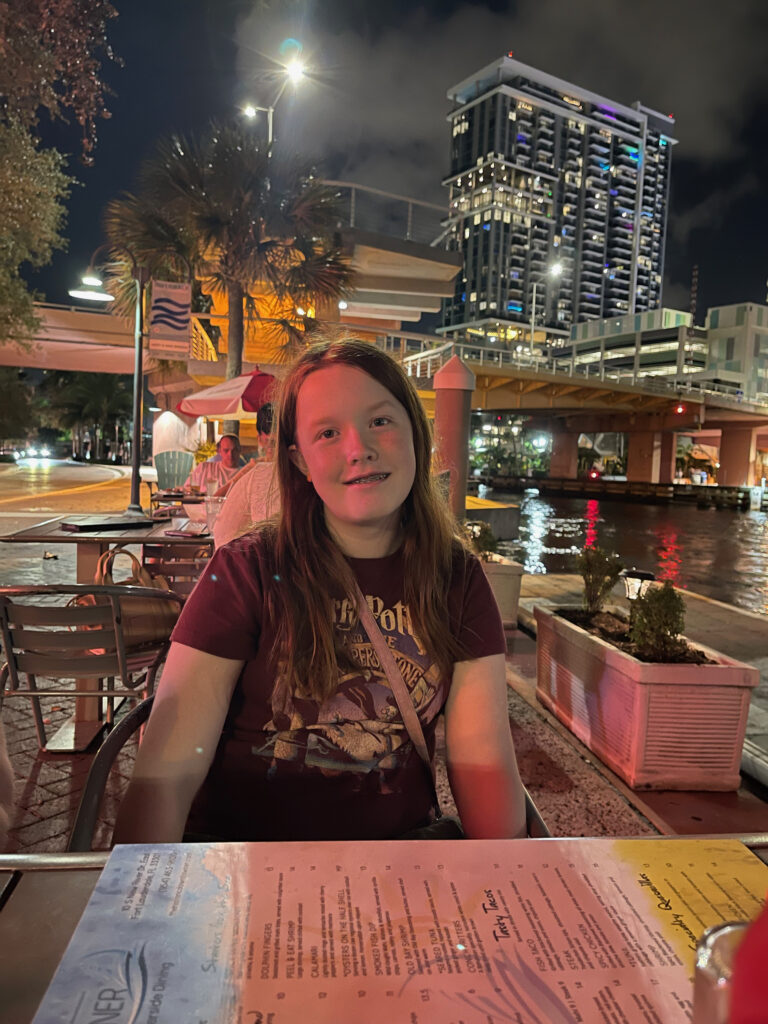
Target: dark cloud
(377,95)
(710,213)
(374,111)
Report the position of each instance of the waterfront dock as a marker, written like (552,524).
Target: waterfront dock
(710,495)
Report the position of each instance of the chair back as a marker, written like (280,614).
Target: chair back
(75,632)
(534,823)
(84,827)
(179,564)
(173,468)
(86,819)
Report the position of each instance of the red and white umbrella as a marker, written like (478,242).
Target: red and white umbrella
(236,399)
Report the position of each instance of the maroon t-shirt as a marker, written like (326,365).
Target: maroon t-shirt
(343,769)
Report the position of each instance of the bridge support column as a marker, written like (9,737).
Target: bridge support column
(454,384)
(644,456)
(738,449)
(667,457)
(564,462)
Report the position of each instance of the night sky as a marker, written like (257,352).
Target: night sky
(374,110)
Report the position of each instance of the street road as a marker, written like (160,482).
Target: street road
(51,486)
(36,489)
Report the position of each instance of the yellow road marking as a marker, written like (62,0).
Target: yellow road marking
(65,490)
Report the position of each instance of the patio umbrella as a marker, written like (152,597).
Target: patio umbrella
(236,399)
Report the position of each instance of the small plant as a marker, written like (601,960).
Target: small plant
(482,539)
(204,450)
(600,572)
(657,622)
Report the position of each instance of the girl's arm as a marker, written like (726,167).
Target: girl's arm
(482,768)
(179,743)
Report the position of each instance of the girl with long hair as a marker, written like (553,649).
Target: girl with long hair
(274,718)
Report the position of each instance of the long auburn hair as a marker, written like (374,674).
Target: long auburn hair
(299,598)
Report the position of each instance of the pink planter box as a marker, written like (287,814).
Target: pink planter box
(658,726)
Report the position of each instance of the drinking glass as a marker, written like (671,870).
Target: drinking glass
(715,954)
(212,509)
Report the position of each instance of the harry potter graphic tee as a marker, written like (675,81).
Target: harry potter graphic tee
(346,768)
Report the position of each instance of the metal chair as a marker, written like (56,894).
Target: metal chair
(179,564)
(534,823)
(47,634)
(84,827)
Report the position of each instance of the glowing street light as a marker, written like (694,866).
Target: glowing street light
(91,294)
(292,72)
(295,71)
(554,271)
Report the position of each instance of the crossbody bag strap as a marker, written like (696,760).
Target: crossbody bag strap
(396,681)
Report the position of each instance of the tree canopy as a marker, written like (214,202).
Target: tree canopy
(81,401)
(33,186)
(15,406)
(50,61)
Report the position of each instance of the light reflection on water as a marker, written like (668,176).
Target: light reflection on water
(716,552)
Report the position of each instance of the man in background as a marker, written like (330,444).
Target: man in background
(217,473)
(253,496)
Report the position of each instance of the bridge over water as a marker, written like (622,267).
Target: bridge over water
(587,399)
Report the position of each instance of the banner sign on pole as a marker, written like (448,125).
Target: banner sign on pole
(170,317)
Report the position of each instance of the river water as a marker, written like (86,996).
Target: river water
(719,553)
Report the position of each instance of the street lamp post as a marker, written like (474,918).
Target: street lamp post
(554,271)
(294,72)
(140,276)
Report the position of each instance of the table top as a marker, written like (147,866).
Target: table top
(49,531)
(50,892)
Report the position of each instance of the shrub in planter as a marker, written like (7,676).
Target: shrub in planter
(658,620)
(600,572)
(674,720)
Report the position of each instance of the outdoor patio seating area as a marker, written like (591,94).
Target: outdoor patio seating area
(576,794)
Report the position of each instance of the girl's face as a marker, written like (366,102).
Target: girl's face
(355,442)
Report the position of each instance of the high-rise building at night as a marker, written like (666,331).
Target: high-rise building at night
(555,193)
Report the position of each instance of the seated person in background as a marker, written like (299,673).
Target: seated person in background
(253,495)
(218,473)
(274,719)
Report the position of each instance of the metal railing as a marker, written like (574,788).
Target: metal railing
(435,352)
(201,347)
(387,213)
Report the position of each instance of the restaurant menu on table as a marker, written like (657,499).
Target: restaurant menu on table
(469,932)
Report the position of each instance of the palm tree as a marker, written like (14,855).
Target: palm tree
(245,221)
(92,401)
